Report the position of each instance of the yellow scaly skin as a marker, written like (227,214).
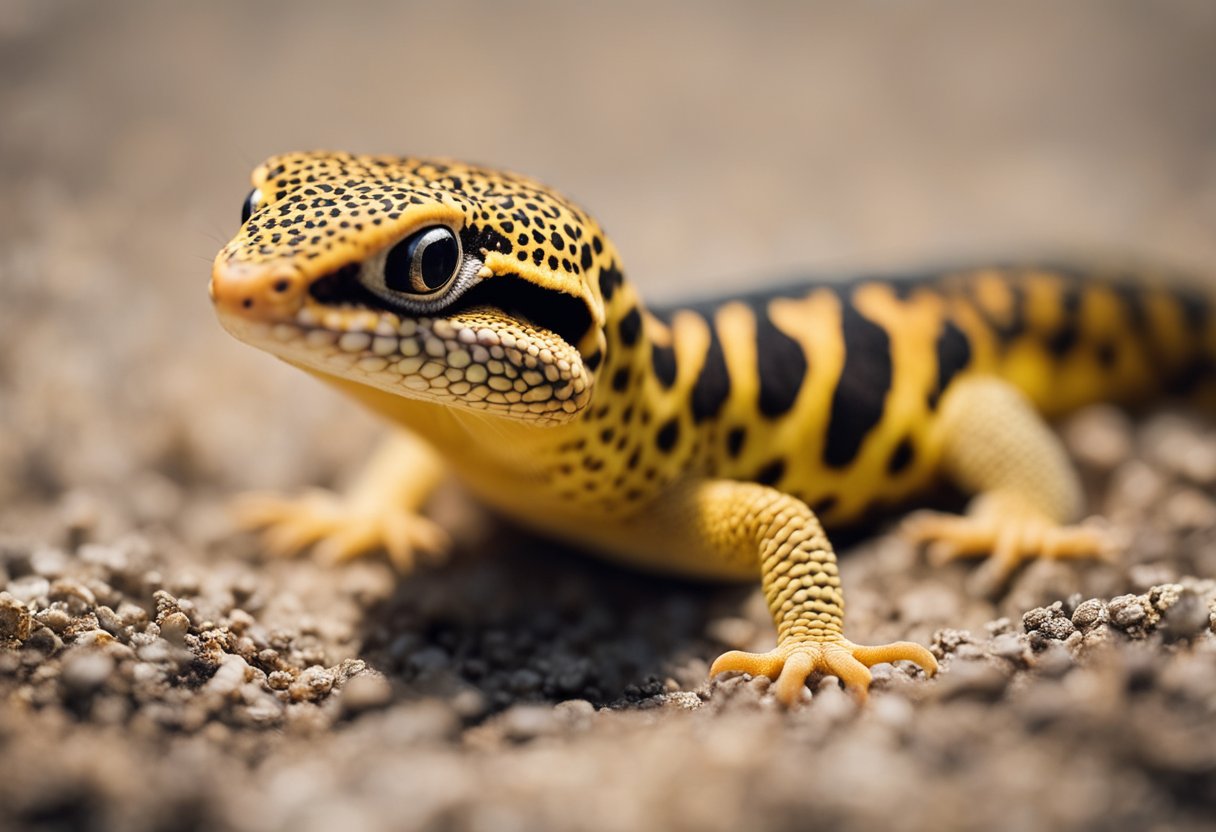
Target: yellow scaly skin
(709,441)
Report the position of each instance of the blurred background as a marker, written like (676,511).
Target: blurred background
(722,145)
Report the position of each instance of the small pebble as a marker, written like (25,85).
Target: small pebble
(49,563)
(430,659)
(1190,509)
(93,638)
(1035,618)
(132,615)
(29,588)
(15,620)
(1186,618)
(110,621)
(56,618)
(1099,436)
(414,723)
(973,680)
(999,626)
(525,681)
(77,597)
(1136,485)
(174,627)
(365,692)
(86,670)
(575,708)
(946,641)
(1058,628)
(228,679)
(1054,660)
(313,683)
(469,704)
(1088,614)
(525,722)
(1012,647)
(970,652)
(1126,612)
(113,558)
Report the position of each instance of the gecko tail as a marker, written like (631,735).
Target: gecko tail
(1069,338)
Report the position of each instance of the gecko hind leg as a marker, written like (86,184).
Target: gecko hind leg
(379,512)
(996,446)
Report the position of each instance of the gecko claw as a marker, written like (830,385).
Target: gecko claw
(337,530)
(1008,533)
(789,665)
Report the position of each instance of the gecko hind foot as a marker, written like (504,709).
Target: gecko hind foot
(1008,534)
(790,664)
(339,530)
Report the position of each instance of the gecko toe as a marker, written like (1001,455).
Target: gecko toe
(338,530)
(790,664)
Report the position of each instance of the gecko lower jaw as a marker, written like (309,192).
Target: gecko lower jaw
(478,359)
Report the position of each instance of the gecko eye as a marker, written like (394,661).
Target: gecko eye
(252,203)
(424,262)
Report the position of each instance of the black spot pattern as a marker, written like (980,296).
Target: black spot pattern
(712,386)
(1068,333)
(901,457)
(825,504)
(620,379)
(630,327)
(668,435)
(861,393)
(610,276)
(663,361)
(734,441)
(771,473)
(781,366)
(953,353)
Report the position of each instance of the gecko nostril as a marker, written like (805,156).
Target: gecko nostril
(247,303)
(282,285)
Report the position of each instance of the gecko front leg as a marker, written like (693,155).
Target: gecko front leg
(379,511)
(739,523)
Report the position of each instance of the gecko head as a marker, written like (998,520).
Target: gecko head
(427,279)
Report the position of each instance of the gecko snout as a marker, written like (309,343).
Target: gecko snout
(256,291)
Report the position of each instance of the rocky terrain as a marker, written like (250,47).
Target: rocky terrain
(154,679)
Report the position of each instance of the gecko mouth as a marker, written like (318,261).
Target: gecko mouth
(505,347)
(566,316)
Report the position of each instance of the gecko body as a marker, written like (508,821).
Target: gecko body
(489,317)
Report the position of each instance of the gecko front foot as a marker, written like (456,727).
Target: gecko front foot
(789,664)
(339,529)
(1009,532)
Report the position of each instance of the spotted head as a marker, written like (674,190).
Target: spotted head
(428,279)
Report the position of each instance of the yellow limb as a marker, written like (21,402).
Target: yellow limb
(379,511)
(734,521)
(993,444)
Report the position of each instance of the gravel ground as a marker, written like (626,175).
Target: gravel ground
(148,685)
(156,672)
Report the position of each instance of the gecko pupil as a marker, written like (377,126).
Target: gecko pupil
(422,263)
(250,205)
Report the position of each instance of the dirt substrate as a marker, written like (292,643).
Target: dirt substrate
(157,675)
